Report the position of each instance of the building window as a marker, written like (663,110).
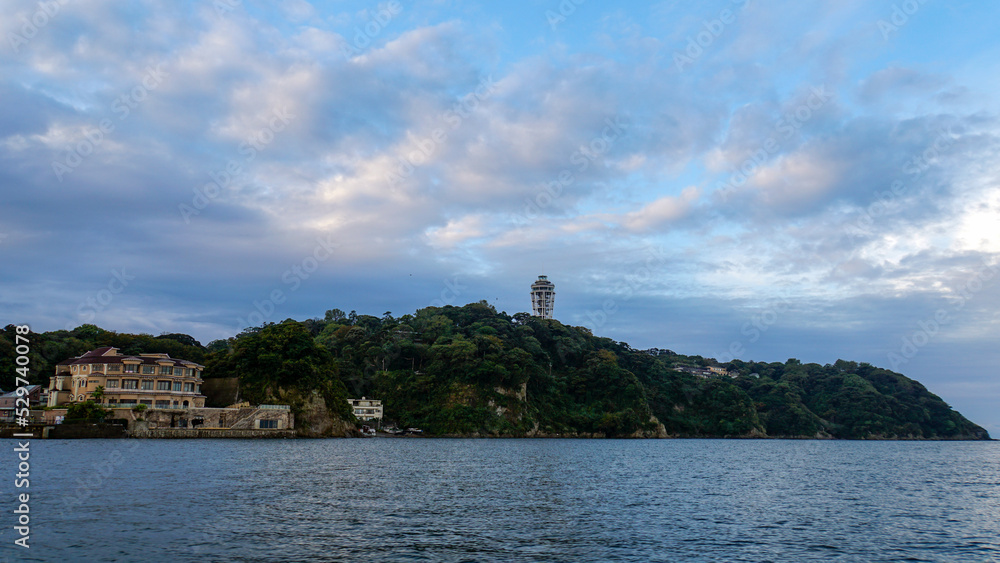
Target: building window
(146,402)
(83,367)
(163,404)
(268,424)
(111,384)
(165,370)
(130,384)
(112,401)
(178,371)
(147,385)
(177,386)
(149,370)
(163,386)
(129,368)
(190,372)
(189,387)
(115,368)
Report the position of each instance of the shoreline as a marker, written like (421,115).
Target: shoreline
(119,433)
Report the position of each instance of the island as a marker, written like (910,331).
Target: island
(476,372)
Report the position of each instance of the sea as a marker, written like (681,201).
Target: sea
(468,500)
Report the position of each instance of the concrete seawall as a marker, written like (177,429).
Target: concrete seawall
(209,433)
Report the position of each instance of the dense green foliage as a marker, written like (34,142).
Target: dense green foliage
(848,400)
(472,370)
(87,411)
(50,348)
(272,361)
(463,370)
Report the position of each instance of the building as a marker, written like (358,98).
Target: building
(9,405)
(236,421)
(543,297)
(705,371)
(367,410)
(695,371)
(155,380)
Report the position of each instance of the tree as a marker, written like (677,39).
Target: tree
(88,331)
(99,394)
(221,345)
(185,339)
(87,411)
(282,357)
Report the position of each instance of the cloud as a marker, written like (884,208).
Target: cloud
(897,81)
(456,232)
(663,211)
(467,142)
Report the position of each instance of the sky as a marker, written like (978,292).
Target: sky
(731,178)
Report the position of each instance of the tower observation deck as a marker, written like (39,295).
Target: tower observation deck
(543,297)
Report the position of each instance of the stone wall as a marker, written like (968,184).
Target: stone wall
(75,431)
(209,433)
(201,422)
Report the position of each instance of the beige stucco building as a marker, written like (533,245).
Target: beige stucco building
(155,380)
(367,410)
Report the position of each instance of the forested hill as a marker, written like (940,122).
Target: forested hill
(473,371)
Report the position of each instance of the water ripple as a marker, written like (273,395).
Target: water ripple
(515,500)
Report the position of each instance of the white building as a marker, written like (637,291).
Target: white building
(543,297)
(367,410)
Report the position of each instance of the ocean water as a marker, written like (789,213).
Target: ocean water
(387,499)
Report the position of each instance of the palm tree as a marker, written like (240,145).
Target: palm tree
(99,394)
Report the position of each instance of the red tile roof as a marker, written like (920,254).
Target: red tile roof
(98,351)
(97,357)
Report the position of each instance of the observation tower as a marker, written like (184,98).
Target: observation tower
(543,297)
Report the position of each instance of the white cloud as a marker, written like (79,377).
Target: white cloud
(663,211)
(478,200)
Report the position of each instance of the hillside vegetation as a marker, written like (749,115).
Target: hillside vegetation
(473,371)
